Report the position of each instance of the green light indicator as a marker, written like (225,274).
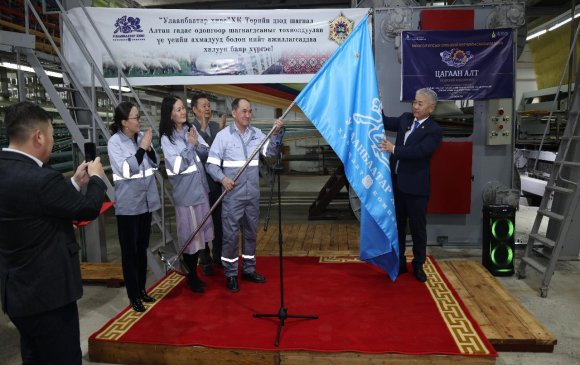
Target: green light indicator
(508,260)
(497,224)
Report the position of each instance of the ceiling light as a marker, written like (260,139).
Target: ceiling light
(124,89)
(559,24)
(554,23)
(14,66)
(537,34)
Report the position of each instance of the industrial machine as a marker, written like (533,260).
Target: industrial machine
(478,143)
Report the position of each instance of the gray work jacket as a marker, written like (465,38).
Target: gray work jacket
(135,188)
(229,152)
(184,167)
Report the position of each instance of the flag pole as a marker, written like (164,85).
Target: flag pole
(170,262)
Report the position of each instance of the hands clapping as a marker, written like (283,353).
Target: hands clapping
(192,137)
(146,140)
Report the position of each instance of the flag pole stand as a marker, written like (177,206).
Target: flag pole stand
(282,314)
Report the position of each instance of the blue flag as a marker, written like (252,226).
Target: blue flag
(342,101)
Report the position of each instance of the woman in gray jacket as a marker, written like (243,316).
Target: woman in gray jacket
(185,153)
(133,161)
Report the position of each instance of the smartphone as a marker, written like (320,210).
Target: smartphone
(90,151)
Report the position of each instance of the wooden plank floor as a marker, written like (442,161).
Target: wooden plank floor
(507,324)
(109,273)
(329,239)
(153,354)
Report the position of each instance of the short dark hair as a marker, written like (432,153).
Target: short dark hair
(22,118)
(195,97)
(236,103)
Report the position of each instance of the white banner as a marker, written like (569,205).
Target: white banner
(176,47)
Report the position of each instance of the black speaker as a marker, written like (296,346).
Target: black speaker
(499,229)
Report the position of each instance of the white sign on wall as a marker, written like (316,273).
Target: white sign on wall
(175,47)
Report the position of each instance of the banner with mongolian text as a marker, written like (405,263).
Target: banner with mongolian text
(175,47)
(458,65)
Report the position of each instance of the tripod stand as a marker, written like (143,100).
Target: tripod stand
(283,311)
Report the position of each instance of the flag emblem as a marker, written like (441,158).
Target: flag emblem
(340,28)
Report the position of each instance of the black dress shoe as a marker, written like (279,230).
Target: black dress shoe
(207,270)
(137,305)
(195,284)
(146,297)
(403,269)
(254,277)
(420,274)
(232,284)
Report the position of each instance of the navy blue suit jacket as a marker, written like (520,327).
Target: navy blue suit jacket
(415,156)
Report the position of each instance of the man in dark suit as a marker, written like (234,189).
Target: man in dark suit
(40,278)
(418,136)
(201,108)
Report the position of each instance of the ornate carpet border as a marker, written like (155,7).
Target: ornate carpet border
(468,340)
(123,323)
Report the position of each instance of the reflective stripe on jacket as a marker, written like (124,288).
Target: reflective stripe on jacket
(135,187)
(185,169)
(229,152)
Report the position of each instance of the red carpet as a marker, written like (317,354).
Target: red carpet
(360,310)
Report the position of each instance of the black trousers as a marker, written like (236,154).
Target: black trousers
(216,251)
(50,338)
(412,208)
(134,232)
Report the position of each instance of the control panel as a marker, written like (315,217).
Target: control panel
(499,122)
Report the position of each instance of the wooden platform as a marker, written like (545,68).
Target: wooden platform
(338,239)
(507,324)
(504,321)
(112,352)
(108,273)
